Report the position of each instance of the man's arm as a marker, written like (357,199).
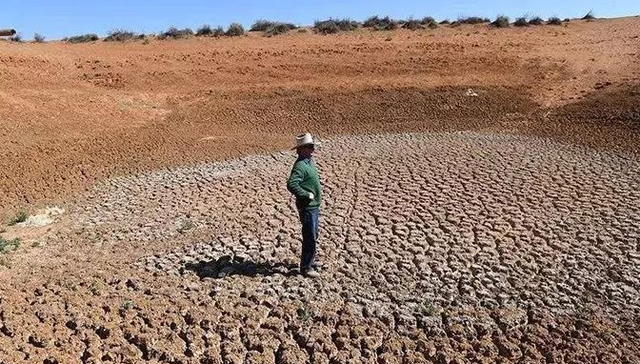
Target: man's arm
(293,184)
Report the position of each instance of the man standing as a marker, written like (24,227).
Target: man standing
(304,183)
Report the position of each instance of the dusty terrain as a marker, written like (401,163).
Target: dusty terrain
(497,225)
(71,115)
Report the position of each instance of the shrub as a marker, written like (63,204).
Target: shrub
(235,30)
(501,21)
(331,26)
(261,25)
(8,245)
(120,36)
(536,21)
(279,28)
(176,33)
(326,27)
(207,31)
(554,21)
(589,16)
(412,24)
(347,24)
(428,20)
(21,216)
(82,38)
(218,32)
(378,23)
(521,22)
(445,22)
(38,38)
(204,31)
(473,20)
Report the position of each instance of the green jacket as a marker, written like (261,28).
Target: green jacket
(304,178)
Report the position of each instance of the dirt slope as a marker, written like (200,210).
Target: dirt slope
(71,115)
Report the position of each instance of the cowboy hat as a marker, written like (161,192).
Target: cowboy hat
(303,140)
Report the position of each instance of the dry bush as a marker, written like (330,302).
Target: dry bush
(521,22)
(235,30)
(412,24)
(279,28)
(378,23)
(21,216)
(554,21)
(38,38)
(536,21)
(473,20)
(331,26)
(176,33)
(81,38)
(502,21)
(267,26)
(119,35)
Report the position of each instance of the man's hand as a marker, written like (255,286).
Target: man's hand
(311,196)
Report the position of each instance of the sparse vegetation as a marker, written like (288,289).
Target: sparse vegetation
(473,20)
(279,28)
(427,308)
(207,31)
(9,245)
(536,21)
(445,22)
(186,226)
(94,288)
(521,22)
(331,26)
(119,35)
(554,21)
(271,27)
(589,16)
(261,25)
(176,33)
(428,20)
(413,24)
(235,30)
(326,27)
(21,216)
(502,21)
(204,31)
(38,38)
(305,313)
(378,23)
(126,305)
(90,37)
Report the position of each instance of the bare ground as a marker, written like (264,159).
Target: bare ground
(437,247)
(501,227)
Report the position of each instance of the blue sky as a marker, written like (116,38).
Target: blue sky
(57,19)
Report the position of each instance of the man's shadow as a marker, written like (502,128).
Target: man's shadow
(227,266)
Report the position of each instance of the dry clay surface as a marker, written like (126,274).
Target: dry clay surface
(440,247)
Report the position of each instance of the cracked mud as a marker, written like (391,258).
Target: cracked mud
(435,248)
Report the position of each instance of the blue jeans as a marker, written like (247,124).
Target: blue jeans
(309,220)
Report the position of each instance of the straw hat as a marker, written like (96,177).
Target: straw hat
(303,140)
